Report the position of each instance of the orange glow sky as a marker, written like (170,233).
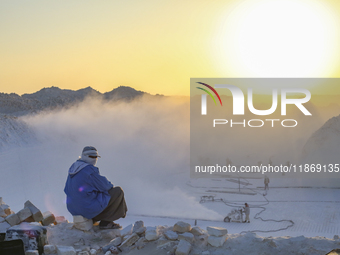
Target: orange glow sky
(157,46)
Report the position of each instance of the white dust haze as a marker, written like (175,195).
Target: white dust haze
(144,148)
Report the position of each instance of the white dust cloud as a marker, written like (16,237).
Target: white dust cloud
(144,148)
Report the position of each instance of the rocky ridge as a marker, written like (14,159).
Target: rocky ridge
(54,97)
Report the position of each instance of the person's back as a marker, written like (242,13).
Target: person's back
(91,195)
(87,191)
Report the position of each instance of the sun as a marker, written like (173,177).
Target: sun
(277,38)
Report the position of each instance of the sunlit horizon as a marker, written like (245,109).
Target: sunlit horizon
(157,46)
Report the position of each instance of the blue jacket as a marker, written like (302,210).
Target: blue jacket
(86,190)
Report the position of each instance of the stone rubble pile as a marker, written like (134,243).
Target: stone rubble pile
(180,239)
(30,213)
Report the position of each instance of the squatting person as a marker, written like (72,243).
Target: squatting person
(91,195)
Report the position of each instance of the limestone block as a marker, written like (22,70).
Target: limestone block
(162,240)
(129,241)
(168,245)
(137,225)
(65,250)
(171,235)
(31,252)
(109,233)
(197,231)
(49,249)
(182,227)
(183,248)
(127,230)
(60,219)
(23,214)
(82,223)
(36,213)
(217,241)
(2,213)
(217,231)
(4,226)
(6,209)
(117,241)
(140,231)
(202,240)
(12,219)
(83,253)
(125,237)
(151,234)
(2,219)
(114,242)
(93,251)
(187,237)
(48,218)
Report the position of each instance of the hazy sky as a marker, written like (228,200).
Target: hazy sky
(157,46)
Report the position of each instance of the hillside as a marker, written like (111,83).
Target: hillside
(54,97)
(323,146)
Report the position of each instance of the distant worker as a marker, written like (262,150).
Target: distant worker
(246,212)
(266,182)
(91,195)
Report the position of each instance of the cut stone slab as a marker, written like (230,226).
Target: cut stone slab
(140,231)
(49,249)
(140,244)
(127,230)
(6,209)
(82,223)
(83,253)
(109,233)
(93,251)
(4,226)
(12,219)
(151,234)
(168,245)
(129,241)
(217,241)
(2,219)
(182,227)
(36,213)
(183,248)
(60,219)
(48,218)
(137,225)
(23,214)
(2,213)
(202,239)
(114,242)
(217,231)
(31,252)
(187,237)
(66,250)
(197,231)
(171,235)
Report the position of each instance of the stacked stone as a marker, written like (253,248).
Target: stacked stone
(30,213)
(180,239)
